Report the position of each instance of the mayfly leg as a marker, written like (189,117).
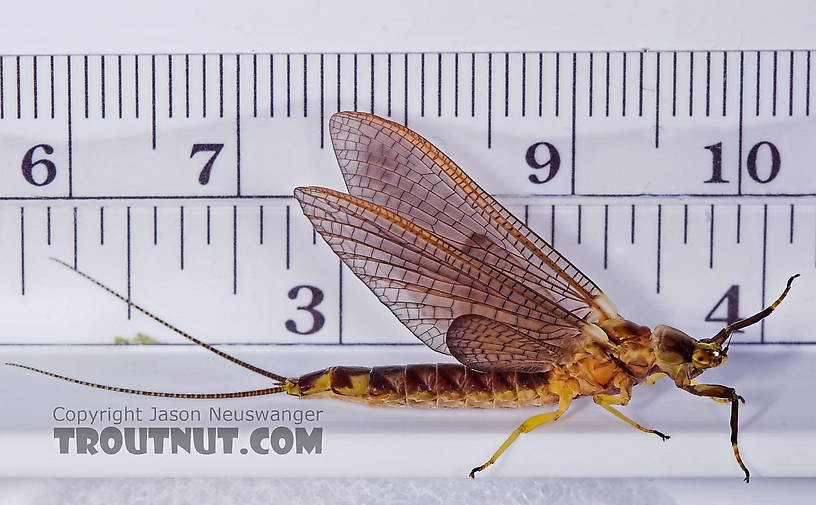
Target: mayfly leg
(725,392)
(526,427)
(607,402)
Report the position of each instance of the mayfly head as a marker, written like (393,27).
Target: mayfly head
(681,356)
(708,354)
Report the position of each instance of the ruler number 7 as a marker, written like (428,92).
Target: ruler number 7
(204,176)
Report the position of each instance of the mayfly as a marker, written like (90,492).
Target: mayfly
(471,280)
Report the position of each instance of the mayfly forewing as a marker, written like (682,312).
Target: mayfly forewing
(423,279)
(394,167)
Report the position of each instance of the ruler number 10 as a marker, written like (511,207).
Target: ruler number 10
(751,162)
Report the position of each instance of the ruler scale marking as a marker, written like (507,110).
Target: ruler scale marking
(101,225)
(51,72)
(590,84)
(606,87)
(438,85)
(102,85)
(725,84)
(657,103)
(708,85)
(118,81)
(30,84)
(22,251)
(790,85)
(135,83)
(221,84)
(70,131)
(305,84)
(128,264)
(455,85)
(34,83)
(774,84)
(764,264)
(489,100)
(623,86)
(152,101)
(674,84)
(2,89)
(574,112)
(691,84)
(523,84)
(169,85)
(209,237)
(640,84)
(85,83)
(740,124)
(181,237)
(187,86)
(254,85)
(758,80)
(238,123)
(421,85)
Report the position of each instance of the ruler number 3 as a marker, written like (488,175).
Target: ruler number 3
(204,176)
(318,320)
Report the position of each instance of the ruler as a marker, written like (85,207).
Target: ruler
(680,181)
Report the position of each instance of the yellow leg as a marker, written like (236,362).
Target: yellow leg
(525,427)
(606,401)
(650,380)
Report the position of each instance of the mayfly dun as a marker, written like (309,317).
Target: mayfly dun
(471,280)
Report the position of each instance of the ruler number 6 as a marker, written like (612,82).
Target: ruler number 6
(318,320)
(204,176)
(29,163)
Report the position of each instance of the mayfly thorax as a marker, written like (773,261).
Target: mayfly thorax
(471,280)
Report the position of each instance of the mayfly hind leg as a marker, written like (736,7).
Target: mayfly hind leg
(527,426)
(607,402)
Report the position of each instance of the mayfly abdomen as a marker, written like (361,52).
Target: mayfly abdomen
(445,385)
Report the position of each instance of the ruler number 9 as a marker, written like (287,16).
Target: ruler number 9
(553,161)
(318,320)
(28,164)
(204,176)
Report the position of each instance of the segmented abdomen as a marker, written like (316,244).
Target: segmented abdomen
(427,385)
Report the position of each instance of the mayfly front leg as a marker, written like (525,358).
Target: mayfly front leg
(607,402)
(565,398)
(727,393)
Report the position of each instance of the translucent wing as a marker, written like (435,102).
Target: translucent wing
(428,282)
(486,344)
(388,164)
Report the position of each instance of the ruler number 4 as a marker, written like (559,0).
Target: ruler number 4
(731,301)
(204,176)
